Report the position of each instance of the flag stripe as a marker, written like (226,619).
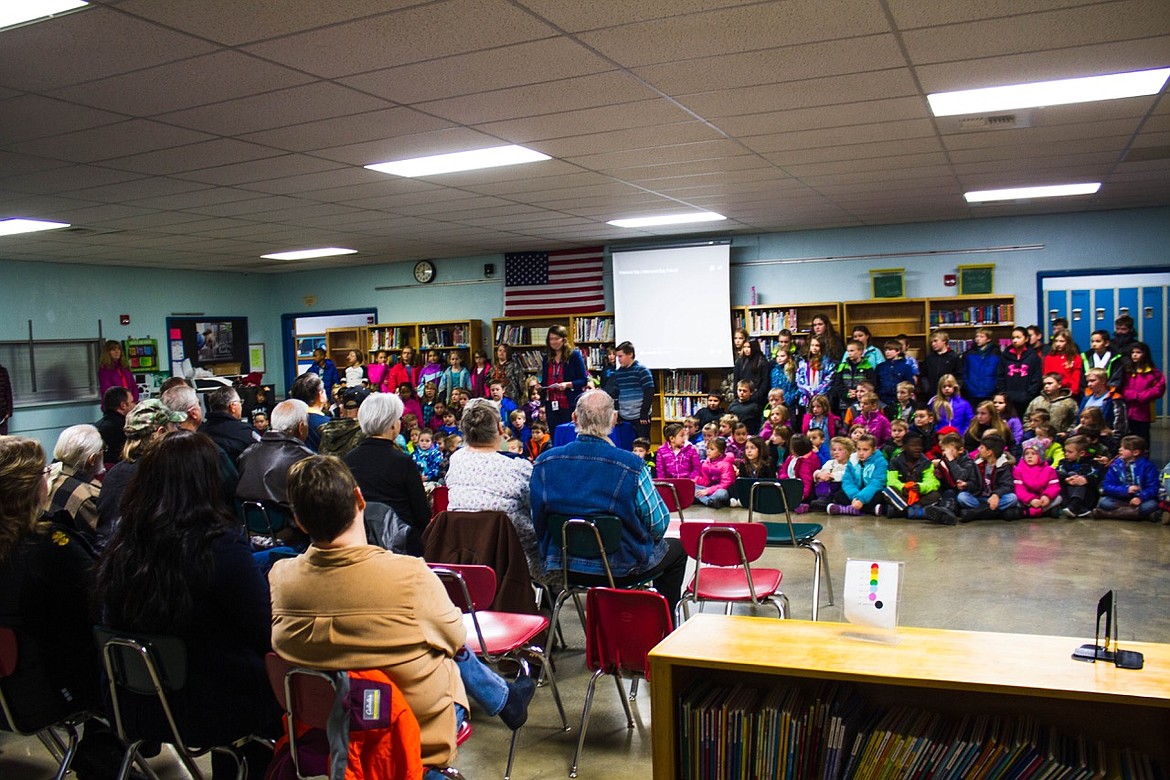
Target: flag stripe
(566,281)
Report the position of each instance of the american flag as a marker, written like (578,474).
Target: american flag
(544,283)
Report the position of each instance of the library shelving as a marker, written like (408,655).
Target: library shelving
(962,315)
(448,335)
(887,318)
(339,341)
(959,315)
(924,672)
(764,322)
(391,337)
(680,393)
(591,333)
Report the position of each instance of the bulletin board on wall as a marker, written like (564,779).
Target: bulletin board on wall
(142,355)
(977,279)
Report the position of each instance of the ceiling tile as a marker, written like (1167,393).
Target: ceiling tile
(75,177)
(633,138)
(814,92)
(866,151)
(839,136)
(293,106)
(928,13)
(658,155)
(208,154)
(135,136)
(455,139)
(821,117)
(599,119)
(260,170)
(421,33)
(575,17)
(358,128)
(34,116)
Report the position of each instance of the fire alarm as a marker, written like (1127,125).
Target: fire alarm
(950,280)
(124,319)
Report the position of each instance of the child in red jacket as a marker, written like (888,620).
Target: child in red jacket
(801,463)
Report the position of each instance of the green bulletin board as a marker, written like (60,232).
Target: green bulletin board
(142,355)
(977,279)
(888,282)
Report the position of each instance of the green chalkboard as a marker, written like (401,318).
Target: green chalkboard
(888,285)
(976,280)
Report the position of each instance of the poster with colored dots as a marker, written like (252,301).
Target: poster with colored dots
(872,589)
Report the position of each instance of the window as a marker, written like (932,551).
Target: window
(51,371)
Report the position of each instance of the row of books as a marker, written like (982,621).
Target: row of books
(1001,314)
(962,345)
(742,732)
(520,335)
(389,338)
(683,382)
(453,336)
(531,359)
(770,321)
(594,357)
(675,409)
(593,329)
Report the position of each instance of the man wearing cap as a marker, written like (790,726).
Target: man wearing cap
(264,466)
(183,398)
(223,423)
(340,436)
(148,421)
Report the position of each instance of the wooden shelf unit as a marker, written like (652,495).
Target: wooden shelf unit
(518,333)
(391,337)
(962,315)
(764,322)
(446,335)
(339,341)
(674,390)
(953,672)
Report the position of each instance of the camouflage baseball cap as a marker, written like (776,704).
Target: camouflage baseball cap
(148,416)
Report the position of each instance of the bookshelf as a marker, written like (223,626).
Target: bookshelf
(765,322)
(959,315)
(447,335)
(962,315)
(591,334)
(680,393)
(928,670)
(391,337)
(339,341)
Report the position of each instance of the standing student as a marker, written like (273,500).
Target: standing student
(981,367)
(563,377)
(1064,359)
(377,371)
(814,375)
(853,369)
(453,377)
(753,366)
(404,370)
(1123,335)
(869,350)
(745,406)
(431,370)
(112,371)
(892,372)
(481,372)
(507,369)
(632,389)
(1019,371)
(1142,384)
(784,379)
(941,361)
(833,344)
(1103,355)
(355,369)
(326,370)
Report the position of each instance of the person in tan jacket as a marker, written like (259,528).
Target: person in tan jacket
(347,605)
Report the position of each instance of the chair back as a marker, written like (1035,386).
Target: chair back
(792,491)
(147,665)
(439,500)
(723,544)
(470,587)
(595,537)
(305,694)
(677,494)
(622,627)
(264,517)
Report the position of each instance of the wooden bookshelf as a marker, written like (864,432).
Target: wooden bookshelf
(678,389)
(339,341)
(952,672)
(962,315)
(593,334)
(764,322)
(526,335)
(446,335)
(391,337)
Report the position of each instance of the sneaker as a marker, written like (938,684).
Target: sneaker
(914,512)
(803,509)
(843,509)
(878,510)
(735,503)
(1013,513)
(515,711)
(834,509)
(1066,512)
(940,516)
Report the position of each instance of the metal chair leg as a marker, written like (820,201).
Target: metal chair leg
(546,664)
(617,680)
(819,568)
(70,751)
(52,743)
(511,755)
(584,721)
(634,689)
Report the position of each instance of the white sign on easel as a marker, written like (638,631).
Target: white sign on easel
(872,591)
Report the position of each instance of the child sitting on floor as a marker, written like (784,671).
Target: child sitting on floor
(911,484)
(864,480)
(955,472)
(801,464)
(716,476)
(993,493)
(1130,488)
(827,479)
(641,448)
(1037,485)
(820,446)
(1080,478)
(898,431)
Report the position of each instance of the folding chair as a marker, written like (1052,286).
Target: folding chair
(30,707)
(723,553)
(264,517)
(154,666)
(781,497)
(621,629)
(439,500)
(677,494)
(495,635)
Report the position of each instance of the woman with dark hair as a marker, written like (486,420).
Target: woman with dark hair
(403,370)
(751,365)
(179,565)
(563,377)
(507,369)
(833,343)
(1141,385)
(112,371)
(862,335)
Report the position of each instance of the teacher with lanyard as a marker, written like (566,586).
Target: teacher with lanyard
(562,377)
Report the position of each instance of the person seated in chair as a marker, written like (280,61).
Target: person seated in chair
(264,466)
(591,476)
(348,605)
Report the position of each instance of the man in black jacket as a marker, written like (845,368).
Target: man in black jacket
(223,423)
(116,403)
(264,466)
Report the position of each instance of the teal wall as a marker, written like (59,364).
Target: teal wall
(66,301)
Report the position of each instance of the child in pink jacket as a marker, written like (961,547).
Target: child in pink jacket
(716,476)
(1037,483)
(801,464)
(677,458)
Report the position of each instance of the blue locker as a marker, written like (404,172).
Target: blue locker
(1127,298)
(1103,315)
(1152,326)
(1057,307)
(1080,316)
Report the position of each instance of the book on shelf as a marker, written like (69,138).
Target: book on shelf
(683,382)
(771,321)
(995,314)
(593,329)
(674,409)
(530,359)
(442,336)
(962,345)
(828,731)
(389,338)
(594,357)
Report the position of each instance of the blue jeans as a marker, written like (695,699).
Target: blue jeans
(971,501)
(489,690)
(716,498)
(1109,504)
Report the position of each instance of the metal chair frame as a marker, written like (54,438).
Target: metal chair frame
(453,578)
(806,541)
(670,486)
(263,508)
(777,599)
(141,648)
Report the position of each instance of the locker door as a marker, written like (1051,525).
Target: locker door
(1127,298)
(1103,315)
(1057,307)
(1080,316)
(1153,319)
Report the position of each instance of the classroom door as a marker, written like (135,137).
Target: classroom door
(1093,301)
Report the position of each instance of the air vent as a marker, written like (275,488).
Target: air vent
(970,124)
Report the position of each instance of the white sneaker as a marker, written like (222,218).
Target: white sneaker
(735,503)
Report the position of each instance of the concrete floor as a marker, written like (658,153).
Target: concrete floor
(1041,577)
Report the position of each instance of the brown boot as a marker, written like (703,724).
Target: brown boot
(1125,513)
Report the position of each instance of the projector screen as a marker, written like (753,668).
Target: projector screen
(672,305)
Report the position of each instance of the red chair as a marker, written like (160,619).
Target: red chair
(724,552)
(439,501)
(621,628)
(677,494)
(496,635)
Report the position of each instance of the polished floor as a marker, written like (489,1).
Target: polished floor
(1037,577)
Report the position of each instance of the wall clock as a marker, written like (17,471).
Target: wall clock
(424,271)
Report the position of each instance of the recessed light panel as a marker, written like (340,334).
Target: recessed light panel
(1020,193)
(13,227)
(492,157)
(667,219)
(13,13)
(1049,93)
(309,254)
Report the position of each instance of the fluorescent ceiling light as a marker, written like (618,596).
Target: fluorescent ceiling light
(308,254)
(1049,93)
(667,219)
(492,157)
(1019,193)
(12,227)
(15,13)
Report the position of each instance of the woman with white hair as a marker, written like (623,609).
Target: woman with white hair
(384,472)
(483,479)
(73,487)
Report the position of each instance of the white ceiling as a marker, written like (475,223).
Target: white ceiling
(205,133)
